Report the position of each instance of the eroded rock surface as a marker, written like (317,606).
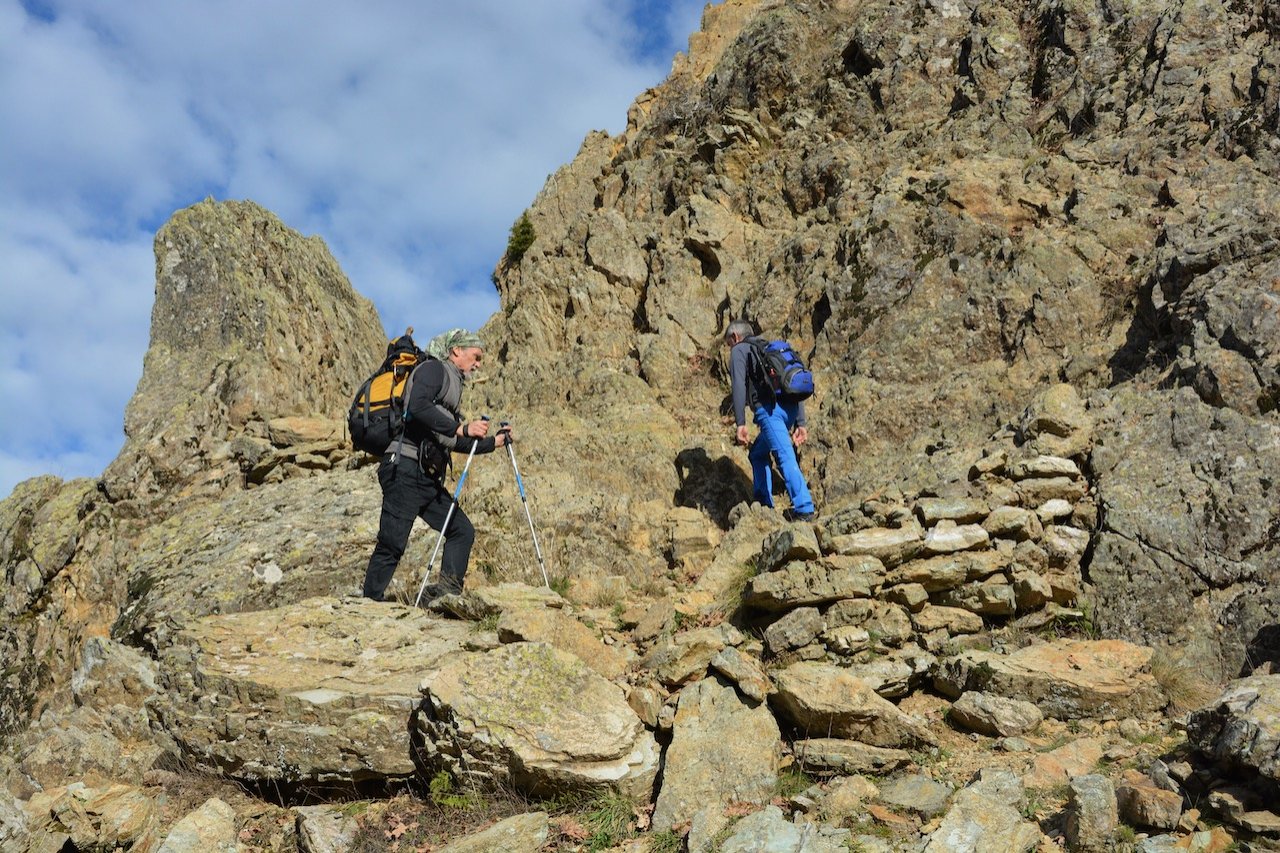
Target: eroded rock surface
(534,717)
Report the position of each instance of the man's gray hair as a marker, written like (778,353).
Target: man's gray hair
(739,328)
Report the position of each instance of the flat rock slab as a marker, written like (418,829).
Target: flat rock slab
(535,717)
(977,823)
(525,833)
(816,582)
(828,701)
(995,716)
(1058,766)
(485,601)
(320,691)
(1067,679)
(769,830)
(559,629)
(916,794)
(848,757)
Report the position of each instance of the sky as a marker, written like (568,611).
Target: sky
(408,134)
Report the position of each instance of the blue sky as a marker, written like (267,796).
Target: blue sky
(408,135)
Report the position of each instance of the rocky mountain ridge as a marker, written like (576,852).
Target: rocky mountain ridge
(1028,248)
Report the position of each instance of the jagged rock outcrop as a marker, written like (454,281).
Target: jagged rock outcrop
(63,585)
(257,339)
(252,323)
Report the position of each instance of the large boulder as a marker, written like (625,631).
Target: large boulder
(537,718)
(320,692)
(1202,574)
(705,769)
(1241,728)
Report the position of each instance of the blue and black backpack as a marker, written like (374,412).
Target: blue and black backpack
(783,370)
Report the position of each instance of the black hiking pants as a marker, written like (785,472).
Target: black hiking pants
(409,493)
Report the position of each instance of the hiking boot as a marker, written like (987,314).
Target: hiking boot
(792,515)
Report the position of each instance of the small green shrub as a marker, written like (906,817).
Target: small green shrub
(665,842)
(611,820)
(792,781)
(521,238)
(444,795)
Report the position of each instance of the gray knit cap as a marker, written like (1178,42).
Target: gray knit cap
(442,344)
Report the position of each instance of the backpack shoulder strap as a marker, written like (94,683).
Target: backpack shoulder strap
(756,358)
(404,408)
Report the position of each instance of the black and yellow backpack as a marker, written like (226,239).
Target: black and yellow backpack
(377,414)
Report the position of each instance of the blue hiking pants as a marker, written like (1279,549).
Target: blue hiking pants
(775,424)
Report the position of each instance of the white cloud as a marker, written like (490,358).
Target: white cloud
(409,135)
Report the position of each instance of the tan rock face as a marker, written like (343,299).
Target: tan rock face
(947,247)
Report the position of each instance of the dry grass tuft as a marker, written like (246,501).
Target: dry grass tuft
(1181,681)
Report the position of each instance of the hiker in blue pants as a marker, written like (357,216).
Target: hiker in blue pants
(781,422)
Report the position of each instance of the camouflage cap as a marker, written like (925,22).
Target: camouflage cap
(442,344)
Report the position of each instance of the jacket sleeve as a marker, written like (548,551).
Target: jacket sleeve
(483,445)
(738,380)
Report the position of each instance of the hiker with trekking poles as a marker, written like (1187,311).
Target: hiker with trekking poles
(417,456)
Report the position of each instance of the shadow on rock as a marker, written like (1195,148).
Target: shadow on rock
(714,486)
(1262,654)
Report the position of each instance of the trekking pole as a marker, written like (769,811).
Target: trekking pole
(448,517)
(537,549)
